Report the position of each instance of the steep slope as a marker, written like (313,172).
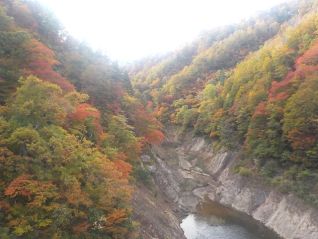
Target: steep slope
(185,72)
(67,158)
(72,129)
(190,172)
(254,91)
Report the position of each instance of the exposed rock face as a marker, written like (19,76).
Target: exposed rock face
(188,171)
(158,219)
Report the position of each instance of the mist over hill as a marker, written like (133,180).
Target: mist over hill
(74,124)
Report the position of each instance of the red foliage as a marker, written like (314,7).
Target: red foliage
(86,111)
(304,66)
(83,111)
(154,137)
(304,70)
(18,187)
(40,63)
(148,126)
(280,96)
(300,141)
(260,110)
(142,116)
(275,92)
(310,57)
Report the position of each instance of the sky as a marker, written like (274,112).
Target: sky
(127,30)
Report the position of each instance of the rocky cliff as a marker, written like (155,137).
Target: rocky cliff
(158,218)
(188,171)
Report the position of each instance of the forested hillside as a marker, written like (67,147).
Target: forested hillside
(251,88)
(70,132)
(73,124)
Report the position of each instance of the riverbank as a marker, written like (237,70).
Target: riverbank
(187,171)
(212,220)
(157,217)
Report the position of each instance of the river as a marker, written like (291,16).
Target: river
(214,221)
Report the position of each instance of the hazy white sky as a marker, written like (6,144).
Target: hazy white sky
(131,29)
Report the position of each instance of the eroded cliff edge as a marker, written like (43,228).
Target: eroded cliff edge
(187,171)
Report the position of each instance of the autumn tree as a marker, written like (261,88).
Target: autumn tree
(53,182)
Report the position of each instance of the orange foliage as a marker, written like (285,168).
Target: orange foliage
(81,228)
(160,111)
(40,63)
(123,167)
(86,111)
(148,126)
(121,156)
(76,196)
(154,137)
(19,187)
(113,223)
(116,217)
(138,147)
(219,114)
(26,187)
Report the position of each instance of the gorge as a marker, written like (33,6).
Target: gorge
(216,139)
(189,173)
